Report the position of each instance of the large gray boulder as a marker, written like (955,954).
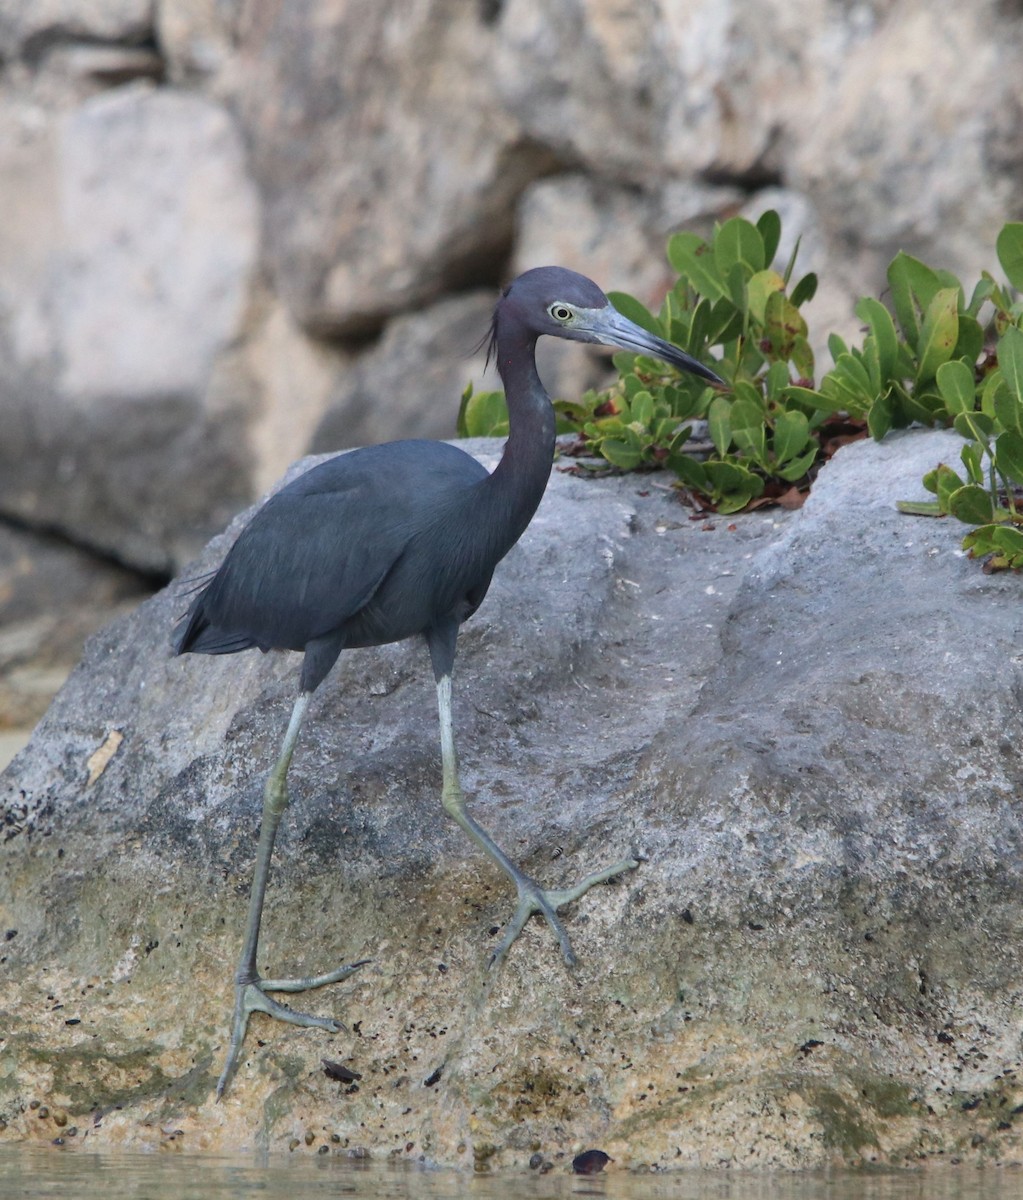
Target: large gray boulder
(807,723)
(126,283)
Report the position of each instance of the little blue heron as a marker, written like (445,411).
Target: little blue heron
(387,542)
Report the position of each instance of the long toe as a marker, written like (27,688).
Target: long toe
(534,899)
(251,996)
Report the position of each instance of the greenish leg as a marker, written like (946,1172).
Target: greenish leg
(531,897)
(250,991)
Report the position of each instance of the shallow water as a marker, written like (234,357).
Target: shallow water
(45,1174)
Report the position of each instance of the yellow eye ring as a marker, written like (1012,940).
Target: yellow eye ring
(561,312)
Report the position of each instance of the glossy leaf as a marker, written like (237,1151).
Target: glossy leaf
(484,414)
(796,468)
(938,333)
(879,322)
(751,441)
(976,425)
(1009,540)
(913,286)
(880,417)
(760,287)
(642,407)
(946,482)
(805,290)
(1007,410)
(737,242)
(973,460)
(971,504)
(982,292)
(955,383)
(1010,359)
(783,323)
(718,424)
(769,228)
(1009,455)
(691,256)
(791,430)
(1009,246)
(802,358)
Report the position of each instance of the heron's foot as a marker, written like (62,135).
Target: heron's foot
(251,996)
(535,899)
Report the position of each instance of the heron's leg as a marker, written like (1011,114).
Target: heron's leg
(250,989)
(531,897)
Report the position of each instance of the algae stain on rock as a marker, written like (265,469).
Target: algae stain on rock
(843,1126)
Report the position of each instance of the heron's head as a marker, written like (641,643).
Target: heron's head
(565,304)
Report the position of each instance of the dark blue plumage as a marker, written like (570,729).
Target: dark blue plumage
(388,542)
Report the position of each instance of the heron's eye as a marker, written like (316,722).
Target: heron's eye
(561,312)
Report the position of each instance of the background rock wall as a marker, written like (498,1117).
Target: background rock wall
(232,231)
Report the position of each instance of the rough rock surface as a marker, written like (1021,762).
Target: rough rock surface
(808,723)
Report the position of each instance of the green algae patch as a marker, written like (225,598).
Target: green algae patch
(843,1125)
(93,1080)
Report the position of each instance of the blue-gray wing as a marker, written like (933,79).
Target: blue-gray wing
(318,551)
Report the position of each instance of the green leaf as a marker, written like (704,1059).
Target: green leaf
(632,309)
(913,286)
(880,417)
(1008,411)
(791,431)
(769,228)
(836,347)
(695,342)
(1010,359)
(483,414)
(1010,541)
(724,322)
(971,504)
(851,373)
(621,454)
(973,460)
(760,287)
(751,440)
(1009,246)
(732,479)
(776,380)
(946,482)
(689,471)
(956,385)
(805,290)
(790,266)
(692,257)
(802,358)
(738,242)
(976,425)
(719,425)
(879,321)
(812,399)
(980,542)
(938,333)
(738,276)
(747,409)
(983,291)
(797,467)
(783,323)
(919,508)
(1009,455)
(642,407)
(970,342)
